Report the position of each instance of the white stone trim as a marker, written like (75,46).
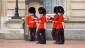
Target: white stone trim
(21,31)
(2,22)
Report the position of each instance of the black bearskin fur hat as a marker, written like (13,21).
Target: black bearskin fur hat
(42,10)
(55,9)
(32,10)
(60,9)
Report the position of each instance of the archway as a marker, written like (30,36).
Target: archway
(36,5)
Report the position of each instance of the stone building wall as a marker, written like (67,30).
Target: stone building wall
(74,11)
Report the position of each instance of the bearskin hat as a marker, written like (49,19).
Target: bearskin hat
(55,9)
(42,10)
(32,10)
(60,9)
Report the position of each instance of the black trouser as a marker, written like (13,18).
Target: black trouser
(32,33)
(53,33)
(60,36)
(41,36)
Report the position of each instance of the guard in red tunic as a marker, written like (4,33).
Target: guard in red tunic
(52,19)
(59,26)
(41,28)
(31,23)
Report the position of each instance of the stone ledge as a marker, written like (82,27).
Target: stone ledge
(74,21)
(14,21)
(70,34)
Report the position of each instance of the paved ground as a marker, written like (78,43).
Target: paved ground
(50,44)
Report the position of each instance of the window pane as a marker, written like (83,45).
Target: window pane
(50,4)
(61,2)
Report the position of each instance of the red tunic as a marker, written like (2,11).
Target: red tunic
(59,23)
(30,21)
(42,23)
(53,19)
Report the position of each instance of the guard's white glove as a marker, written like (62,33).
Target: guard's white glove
(48,17)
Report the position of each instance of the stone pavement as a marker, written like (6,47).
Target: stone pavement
(50,44)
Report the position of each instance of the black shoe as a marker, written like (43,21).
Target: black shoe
(31,40)
(60,43)
(42,43)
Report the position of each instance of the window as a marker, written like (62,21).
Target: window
(50,4)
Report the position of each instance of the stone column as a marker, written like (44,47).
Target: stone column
(68,9)
(0,12)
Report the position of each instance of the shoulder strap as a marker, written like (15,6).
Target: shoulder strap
(57,18)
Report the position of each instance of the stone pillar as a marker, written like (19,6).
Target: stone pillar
(0,12)
(68,9)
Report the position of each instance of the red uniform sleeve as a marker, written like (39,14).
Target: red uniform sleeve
(54,18)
